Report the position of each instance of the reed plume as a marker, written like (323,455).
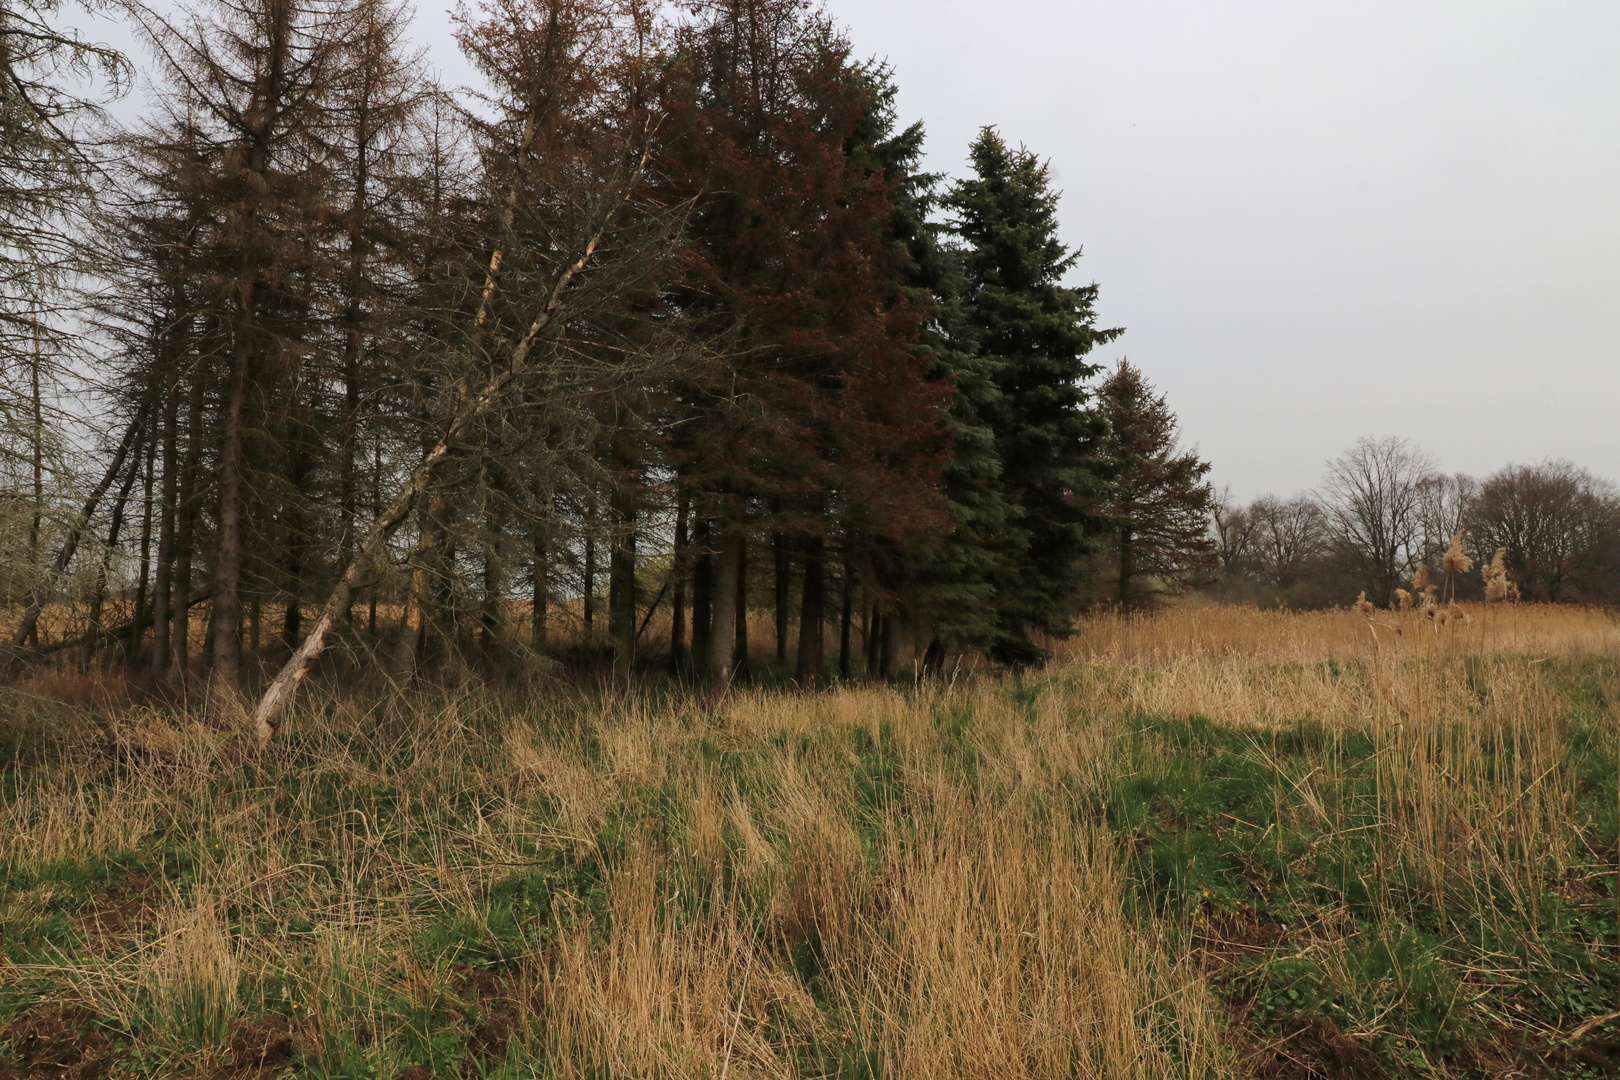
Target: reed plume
(1497,585)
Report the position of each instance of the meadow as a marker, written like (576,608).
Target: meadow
(1208,842)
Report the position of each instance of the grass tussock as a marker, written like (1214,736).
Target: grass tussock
(1208,843)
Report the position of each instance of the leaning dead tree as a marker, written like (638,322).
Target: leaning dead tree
(70,544)
(615,226)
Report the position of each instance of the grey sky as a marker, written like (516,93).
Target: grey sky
(1316,221)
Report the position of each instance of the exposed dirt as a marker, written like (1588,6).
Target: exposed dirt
(58,1041)
(258,1050)
(1312,1047)
(500,1005)
(130,909)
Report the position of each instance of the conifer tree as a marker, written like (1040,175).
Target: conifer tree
(1160,501)
(1028,335)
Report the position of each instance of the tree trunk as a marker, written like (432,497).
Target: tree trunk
(292,619)
(162,590)
(542,590)
(889,645)
(622,588)
(36,446)
(98,597)
(739,653)
(138,618)
(783,561)
(846,617)
(1126,570)
(189,499)
(874,643)
(702,596)
(469,409)
(589,613)
(810,615)
(723,629)
(226,623)
(491,620)
(36,600)
(677,611)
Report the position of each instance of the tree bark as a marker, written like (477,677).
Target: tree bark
(783,561)
(589,602)
(99,596)
(845,623)
(677,612)
(542,590)
(622,587)
(185,533)
(723,629)
(162,589)
(702,596)
(739,654)
(138,620)
(225,625)
(1126,570)
(810,615)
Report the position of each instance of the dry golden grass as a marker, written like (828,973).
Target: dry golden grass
(927,881)
(1275,636)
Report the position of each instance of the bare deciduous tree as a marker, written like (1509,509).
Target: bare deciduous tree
(1373,498)
(1290,536)
(1559,524)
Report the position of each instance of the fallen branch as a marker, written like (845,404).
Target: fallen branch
(107,635)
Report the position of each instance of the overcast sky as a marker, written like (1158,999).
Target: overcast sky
(1315,221)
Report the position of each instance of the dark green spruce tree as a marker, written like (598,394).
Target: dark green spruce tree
(943,587)
(1020,339)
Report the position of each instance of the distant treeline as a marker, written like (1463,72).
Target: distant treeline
(1384,515)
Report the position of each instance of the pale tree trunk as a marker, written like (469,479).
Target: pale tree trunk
(162,597)
(677,610)
(470,408)
(185,533)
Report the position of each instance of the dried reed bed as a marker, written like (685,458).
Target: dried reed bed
(1275,636)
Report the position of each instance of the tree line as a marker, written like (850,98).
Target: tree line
(664,319)
(1385,515)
